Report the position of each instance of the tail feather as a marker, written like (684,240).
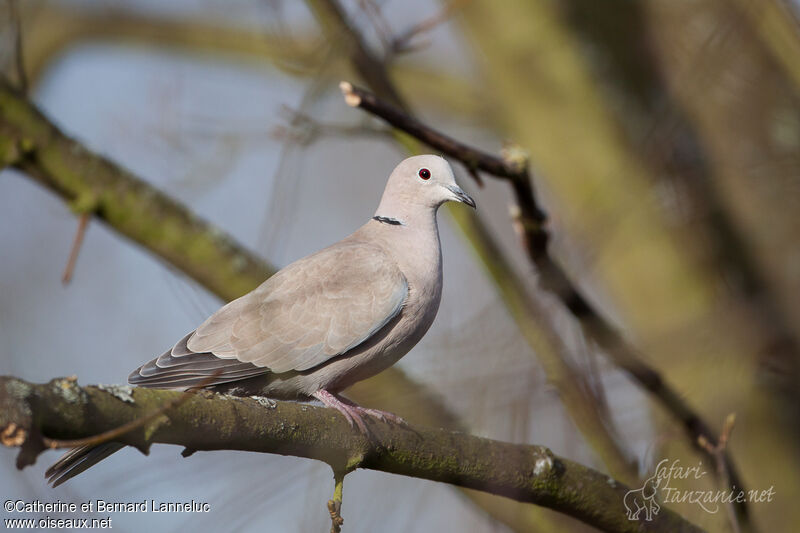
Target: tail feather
(78,460)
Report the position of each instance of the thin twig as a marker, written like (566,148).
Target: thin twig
(471,157)
(117,432)
(475,176)
(304,129)
(19,56)
(378,21)
(83,223)
(718,452)
(334,21)
(335,505)
(403,42)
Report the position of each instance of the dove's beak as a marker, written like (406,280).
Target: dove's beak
(460,196)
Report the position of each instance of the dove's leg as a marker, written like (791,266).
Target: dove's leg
(352,412)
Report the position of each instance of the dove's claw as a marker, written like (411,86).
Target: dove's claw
(385,416)
(352,412)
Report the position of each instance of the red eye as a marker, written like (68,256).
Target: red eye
(424,173)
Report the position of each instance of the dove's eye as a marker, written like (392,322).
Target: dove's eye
(424,173)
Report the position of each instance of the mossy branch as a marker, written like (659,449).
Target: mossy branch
(52,30)
(61,409)
(121,199)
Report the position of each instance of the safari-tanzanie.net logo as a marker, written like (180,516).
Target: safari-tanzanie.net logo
(643,503)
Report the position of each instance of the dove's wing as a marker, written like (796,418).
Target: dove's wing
(312,310)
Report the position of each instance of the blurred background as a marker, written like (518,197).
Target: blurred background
(664,140)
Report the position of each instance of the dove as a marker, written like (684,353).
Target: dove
(324,322)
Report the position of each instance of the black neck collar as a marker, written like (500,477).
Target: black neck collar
(388,220)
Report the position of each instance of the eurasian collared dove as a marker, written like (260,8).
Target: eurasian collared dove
(325,321)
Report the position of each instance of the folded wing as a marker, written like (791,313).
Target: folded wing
(314,309)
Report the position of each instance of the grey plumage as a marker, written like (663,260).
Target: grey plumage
(324,322)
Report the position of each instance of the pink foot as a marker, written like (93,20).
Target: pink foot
(383,416)
(352,412)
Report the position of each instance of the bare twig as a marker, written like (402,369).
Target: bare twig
(530,220)
(403,43)
(333,19)
(718,452)
(378,21)
(335,505)
(475,176)
(335,508)
(304,129)
(19,56)
(117,432)
(83,223)
(473,158)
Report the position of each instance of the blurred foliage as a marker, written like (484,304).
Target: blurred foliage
(665,135)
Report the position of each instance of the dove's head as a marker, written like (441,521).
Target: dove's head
(422,182)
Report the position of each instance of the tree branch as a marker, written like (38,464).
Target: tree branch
(54,28)
(119,198)
(61,409)
(469,156)
(532,220)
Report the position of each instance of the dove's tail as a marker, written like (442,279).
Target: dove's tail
(79,459)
